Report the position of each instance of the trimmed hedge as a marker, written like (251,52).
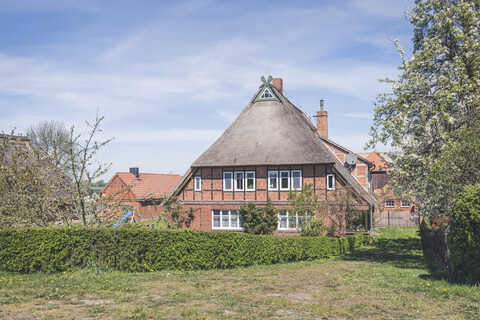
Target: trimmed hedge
(464,236)
(58,249)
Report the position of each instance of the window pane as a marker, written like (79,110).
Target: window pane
(284,179)
(227,180)
(296,179)
(250,180)
(331,181)
(301,221)
(292,223)
(283,222)
(239,180)
(233,219)
(272,177)
(224,219)
(216,218)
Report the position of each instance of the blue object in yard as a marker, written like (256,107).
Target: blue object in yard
(123,219)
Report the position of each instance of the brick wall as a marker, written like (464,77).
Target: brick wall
(212,197)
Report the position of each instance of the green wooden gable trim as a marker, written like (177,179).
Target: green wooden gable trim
(266,94)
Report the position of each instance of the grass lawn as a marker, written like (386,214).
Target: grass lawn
(387,280)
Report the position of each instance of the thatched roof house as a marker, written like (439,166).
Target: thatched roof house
(270,135)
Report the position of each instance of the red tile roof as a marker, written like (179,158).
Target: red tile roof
(150,185)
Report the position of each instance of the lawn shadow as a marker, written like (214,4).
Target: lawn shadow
(399,252)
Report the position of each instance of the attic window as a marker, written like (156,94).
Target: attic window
(266,94)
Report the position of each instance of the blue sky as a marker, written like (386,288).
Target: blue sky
(171,76)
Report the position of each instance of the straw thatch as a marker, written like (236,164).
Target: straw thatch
(267,133)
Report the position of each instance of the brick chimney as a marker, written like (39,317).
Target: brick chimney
(322,121)
(135,172)
(278,83)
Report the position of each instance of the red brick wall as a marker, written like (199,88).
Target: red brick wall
(212,196)
(359,171)
(122,196)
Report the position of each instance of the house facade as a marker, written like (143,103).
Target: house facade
(140,192)
(394,208)
(269,150)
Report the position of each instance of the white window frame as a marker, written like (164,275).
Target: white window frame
(281,178)
(229,214)
(388,202)
(197,179)
(225,179)
(247,178)
(292,184)
(269,179)
(332,186)
(235,180)
(286,215)
(407,204)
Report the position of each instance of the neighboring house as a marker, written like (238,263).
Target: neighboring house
(270,149)
(394,208)
(141,192)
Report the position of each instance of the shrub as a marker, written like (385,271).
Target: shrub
(259,220)
(464,235)
(58,249)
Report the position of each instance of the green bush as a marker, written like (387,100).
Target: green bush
(59,249)
(259,220)
(464,235)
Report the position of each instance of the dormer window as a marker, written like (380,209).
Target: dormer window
(266,94)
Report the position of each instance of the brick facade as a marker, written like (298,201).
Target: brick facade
(213,197)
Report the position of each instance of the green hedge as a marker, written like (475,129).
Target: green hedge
(464,236)
(59,249)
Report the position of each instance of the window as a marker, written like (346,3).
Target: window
(288,221)
(272,180)
(250,180)
(331,181)
(284,180)
(197,185)
(226,219)
(227,181)
(405,204)
(389,203)
(239,181)
(266,94)
(296,179)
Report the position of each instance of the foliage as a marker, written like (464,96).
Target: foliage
(175,215)
(51,176)
(464,236)
(33,192)
(305,203)
(258,220)
(133,249)
(429,115)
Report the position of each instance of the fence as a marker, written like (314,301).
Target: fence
(397,219)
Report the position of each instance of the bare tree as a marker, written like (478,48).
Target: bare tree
(84,168)
(50,138)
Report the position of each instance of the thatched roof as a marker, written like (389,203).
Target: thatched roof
(267,133)
(272,132)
